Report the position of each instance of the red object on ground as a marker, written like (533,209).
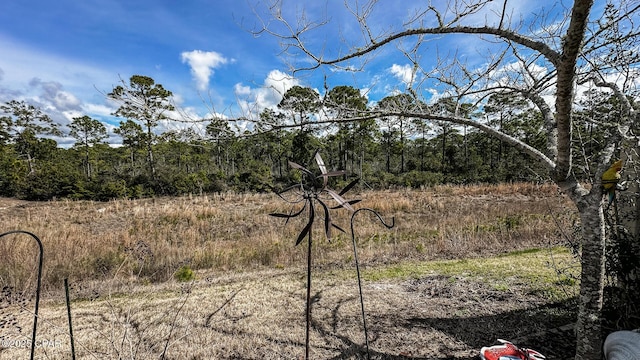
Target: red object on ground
(507,351)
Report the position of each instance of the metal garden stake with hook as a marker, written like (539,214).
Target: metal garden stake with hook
(35,313)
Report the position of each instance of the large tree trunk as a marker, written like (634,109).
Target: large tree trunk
(588,326)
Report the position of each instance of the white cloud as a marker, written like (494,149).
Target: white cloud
(241,90)
(53,94)
(100,110)
(403,73)
(202,64)
(280,82)
(253,100)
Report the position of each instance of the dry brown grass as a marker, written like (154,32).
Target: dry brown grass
(148,240)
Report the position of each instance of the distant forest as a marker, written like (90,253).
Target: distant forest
(385,151)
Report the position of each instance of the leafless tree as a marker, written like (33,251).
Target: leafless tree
(564,47)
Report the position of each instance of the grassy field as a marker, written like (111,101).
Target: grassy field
(462,267)
(149,240)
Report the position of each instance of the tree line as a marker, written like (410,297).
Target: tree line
(383,150)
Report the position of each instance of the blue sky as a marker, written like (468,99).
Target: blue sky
(64,55)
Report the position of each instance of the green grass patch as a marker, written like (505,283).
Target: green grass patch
(531,251)
(184,274)
(537,268)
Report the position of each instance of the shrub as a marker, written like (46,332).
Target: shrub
(184,274)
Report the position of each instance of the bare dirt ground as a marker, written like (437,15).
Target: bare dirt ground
(260,315)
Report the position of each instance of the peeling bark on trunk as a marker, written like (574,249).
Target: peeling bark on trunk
(588,327)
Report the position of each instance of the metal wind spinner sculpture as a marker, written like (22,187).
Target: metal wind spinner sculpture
(311,191)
